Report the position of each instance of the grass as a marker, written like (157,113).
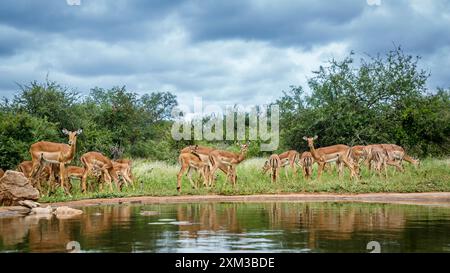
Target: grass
(159,179)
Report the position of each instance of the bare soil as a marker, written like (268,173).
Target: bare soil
(429,198)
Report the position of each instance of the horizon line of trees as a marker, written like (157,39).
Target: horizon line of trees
(380,99)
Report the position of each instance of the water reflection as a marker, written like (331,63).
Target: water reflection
(216,227)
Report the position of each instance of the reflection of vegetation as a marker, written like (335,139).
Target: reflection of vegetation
(433,175)
(329,226)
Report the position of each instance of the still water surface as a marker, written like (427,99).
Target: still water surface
(235,227)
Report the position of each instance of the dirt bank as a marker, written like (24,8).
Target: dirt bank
(429,198)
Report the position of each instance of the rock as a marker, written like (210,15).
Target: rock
(15,187)
(29,204)
(39,210)
(14,211)
(149,213)
(66,211)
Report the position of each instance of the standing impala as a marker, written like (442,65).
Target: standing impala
(230,159)
(307,161)
(188,162)
(203,152)
(51,152)
(338,153)
(273,164)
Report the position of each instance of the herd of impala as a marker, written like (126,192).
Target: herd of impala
(49,160)
(207,160)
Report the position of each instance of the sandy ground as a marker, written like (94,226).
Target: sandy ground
(429,198)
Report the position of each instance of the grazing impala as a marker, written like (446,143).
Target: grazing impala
(92,159)
(328,154)
(122,168)
(230,159)
(396,155)
(273,164)
(57,153)
(306,161)
(380,158)
(26,167)
(203,152)
(191,161)
(289,158)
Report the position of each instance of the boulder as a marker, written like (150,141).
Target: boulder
(29,204)
(15,187)
(13,211)
(39,210)
(66,212)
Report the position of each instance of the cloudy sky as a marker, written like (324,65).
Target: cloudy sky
(224,51)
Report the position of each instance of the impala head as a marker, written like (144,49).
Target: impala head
(193,148)
(72,135)
(310,140)
(244,148)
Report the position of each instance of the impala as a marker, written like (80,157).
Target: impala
(92,159)
(396,155)
(203,152)
(380,158)
(273,164)
(230,159)
(191,161)
(306,162)
(46,174)
(289,158)
(51,152)
(328,154)
(122,168)
(356,155)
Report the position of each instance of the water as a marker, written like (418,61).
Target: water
(235,227)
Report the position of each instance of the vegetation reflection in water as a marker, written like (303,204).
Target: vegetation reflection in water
(235,227)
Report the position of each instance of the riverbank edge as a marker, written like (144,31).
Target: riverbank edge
(427,198)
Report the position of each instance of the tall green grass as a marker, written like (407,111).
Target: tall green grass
(159,179)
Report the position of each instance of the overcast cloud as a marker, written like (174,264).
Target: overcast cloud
(224,51)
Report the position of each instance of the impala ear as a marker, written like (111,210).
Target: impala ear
(79,131)
(305,138)
(315,137)
(64,131)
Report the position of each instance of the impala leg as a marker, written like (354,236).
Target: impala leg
(189,175)
(62,171)
(350,166)
(179,177)
(87,169)
(320,169)
(292,163)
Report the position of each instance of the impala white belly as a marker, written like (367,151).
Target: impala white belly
(50,157)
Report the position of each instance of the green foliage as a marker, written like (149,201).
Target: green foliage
(380,100)
(17,132)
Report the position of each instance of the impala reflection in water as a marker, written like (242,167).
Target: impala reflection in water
(235,227)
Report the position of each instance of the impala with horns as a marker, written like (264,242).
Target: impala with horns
(338,153)
(55,153)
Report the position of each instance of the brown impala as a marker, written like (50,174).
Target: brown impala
(203,152)
(51,152)
(230,159)
(92,159)
(338,153)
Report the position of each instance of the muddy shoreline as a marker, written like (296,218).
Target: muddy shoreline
(428,198)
